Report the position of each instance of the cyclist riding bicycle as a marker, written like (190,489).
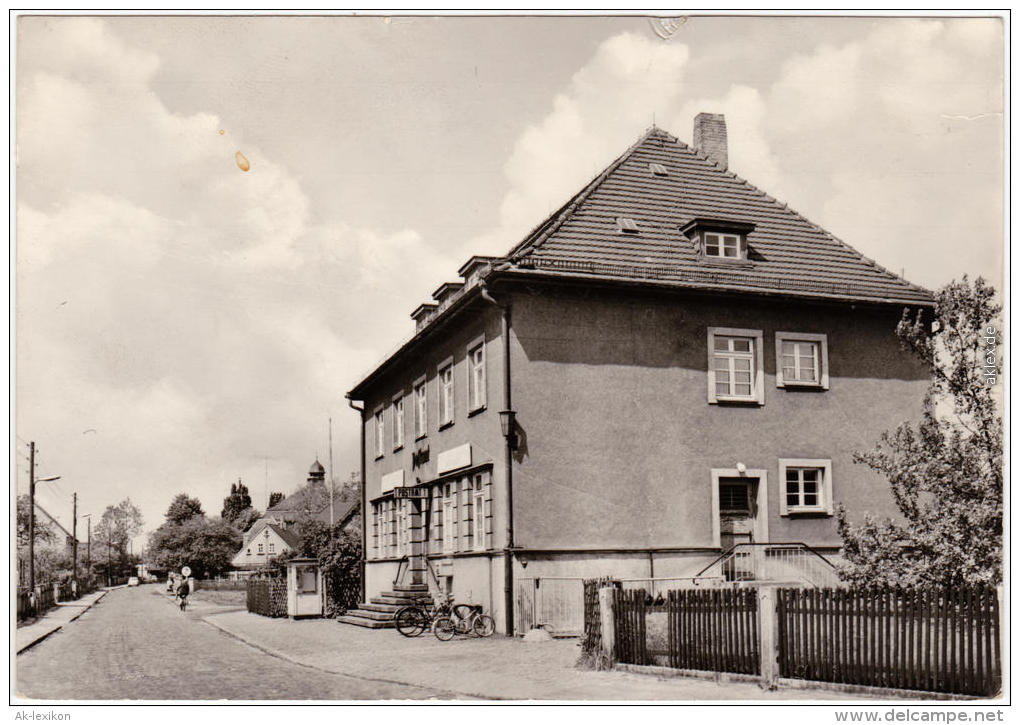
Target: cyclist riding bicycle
(182,594)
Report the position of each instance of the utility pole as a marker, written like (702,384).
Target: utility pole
(74,536)
(31,516)
(31,512)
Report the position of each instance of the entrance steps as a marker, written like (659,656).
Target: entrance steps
(378,612)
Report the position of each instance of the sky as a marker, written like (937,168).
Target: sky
(182,323)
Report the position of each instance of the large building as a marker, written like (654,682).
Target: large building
(671,364)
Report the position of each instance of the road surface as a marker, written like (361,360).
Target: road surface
(135,645)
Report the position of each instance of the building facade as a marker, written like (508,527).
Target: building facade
(672,364)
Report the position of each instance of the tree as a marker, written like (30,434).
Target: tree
(946,471)
(205,545)
(339,554)
(246,518)
(44,533)
(274,498)
(118,526)
(236,502)
(183,507)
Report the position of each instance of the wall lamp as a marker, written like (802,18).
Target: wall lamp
(508,424)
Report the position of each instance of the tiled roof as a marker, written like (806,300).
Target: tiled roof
(289,537)
(312,501)
(788,254)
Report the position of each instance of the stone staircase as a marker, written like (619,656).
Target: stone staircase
(378,612)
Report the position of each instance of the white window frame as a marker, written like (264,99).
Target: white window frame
(478,511)
(822,343)
(272,547)
(449,517)
(377,528)
(726,240)
(421,409)
(446,394)
(476,376)
(757,365)
(761,517)
(403,528)
(380,433)
(398,423)
(261,550)
(825,505)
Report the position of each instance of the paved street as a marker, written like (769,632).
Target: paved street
(134,644)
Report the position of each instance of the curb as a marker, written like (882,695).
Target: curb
(788,683)
(60,626)
(451,694)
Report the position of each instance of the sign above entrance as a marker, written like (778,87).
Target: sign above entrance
(454,458)
(392,480)
(411,492)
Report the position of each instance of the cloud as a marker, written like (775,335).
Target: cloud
(610,101)
(186,310)
(891,141)
(877,143)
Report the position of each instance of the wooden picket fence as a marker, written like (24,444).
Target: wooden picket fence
(938,640)
(629,615)
(714,629)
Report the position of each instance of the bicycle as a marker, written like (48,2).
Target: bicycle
(414,619)
(464,619)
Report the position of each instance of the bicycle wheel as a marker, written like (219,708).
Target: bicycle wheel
(410,621)
(184,603)
(444,628)
(484,625)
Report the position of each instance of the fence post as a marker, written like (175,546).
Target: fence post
(608,623)
(768,650)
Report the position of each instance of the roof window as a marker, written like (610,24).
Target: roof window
(658,170)
(718,239)
(626,225)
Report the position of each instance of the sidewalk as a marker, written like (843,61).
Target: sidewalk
(53,620)
(492,668)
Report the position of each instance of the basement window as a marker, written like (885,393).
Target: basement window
(658,170)
(626,225)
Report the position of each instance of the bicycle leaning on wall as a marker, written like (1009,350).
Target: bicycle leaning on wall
(463,619)
(414,619)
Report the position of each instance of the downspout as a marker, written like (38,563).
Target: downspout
(508,470)
(364,500)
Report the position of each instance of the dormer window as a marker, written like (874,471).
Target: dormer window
(626,225)
(728,246)
(718,239)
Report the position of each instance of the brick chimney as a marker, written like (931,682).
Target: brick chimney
(710,136)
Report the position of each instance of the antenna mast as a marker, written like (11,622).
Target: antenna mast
(332,483)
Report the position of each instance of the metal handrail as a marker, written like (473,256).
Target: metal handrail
(403,560)
(729,552)
(435,577)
